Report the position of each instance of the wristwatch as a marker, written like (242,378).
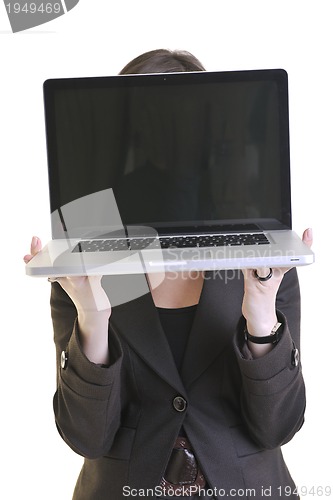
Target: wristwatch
(273,338)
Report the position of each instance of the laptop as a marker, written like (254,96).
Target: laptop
(169,172)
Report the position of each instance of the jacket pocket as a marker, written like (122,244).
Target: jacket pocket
(122,444)
(243,443)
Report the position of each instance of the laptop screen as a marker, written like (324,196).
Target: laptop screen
(198,151)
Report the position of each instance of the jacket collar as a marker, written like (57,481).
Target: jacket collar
(217,314)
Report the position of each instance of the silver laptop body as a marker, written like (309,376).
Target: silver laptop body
(169,172)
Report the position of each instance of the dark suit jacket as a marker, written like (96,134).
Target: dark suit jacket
(239,411)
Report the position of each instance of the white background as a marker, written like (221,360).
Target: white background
(97,38)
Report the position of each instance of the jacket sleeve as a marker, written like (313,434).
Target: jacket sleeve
(87,400)
(273,392)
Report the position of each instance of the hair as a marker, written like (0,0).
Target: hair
(163,61)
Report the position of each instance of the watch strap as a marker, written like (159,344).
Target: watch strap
(272,338)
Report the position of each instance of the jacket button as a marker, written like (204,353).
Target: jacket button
(295,357)
(179,403)
(63,360)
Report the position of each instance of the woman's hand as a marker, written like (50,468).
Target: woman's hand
(93,308)
(259,300)
(86,292)
(35,247)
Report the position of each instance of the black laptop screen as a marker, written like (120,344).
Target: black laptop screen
(178,150)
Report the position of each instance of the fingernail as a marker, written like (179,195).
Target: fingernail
(309,232)
(34,241)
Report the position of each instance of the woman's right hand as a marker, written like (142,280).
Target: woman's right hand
(86,292)
(92,304)
(35,247)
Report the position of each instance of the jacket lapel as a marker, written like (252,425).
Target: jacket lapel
(214,325)
(138,322)
(215,322)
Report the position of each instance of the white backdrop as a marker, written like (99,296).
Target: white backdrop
(98,38)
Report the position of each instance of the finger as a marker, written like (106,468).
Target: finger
(254,274)
(308,237)
(36,245)
(264,275)
(262,272)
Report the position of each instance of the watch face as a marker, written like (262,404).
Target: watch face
(275,328)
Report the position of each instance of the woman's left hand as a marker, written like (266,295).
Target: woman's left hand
(259,297)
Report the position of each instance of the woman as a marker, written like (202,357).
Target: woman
(166,396)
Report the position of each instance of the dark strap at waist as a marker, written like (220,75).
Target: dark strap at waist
(182,476)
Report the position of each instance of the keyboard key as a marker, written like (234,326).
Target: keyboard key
(190,241)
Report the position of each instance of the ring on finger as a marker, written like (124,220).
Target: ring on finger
(263,278)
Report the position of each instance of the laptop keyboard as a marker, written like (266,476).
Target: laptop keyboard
(192,241)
